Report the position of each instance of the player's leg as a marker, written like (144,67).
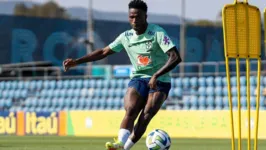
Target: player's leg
(134,102)
(153,105)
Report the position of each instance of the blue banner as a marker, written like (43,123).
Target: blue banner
(122,71)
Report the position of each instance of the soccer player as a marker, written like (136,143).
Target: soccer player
(153,55)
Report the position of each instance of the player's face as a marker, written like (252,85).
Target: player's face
(137,19)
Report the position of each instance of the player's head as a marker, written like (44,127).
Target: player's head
(137,14)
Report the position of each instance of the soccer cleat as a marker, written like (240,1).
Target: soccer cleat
(117,145)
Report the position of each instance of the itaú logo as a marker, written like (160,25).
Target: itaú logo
(8,124)
(40,124)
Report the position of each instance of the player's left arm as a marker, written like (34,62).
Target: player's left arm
(173,60)
(168,47)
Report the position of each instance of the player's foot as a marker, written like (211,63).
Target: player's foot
(117,145)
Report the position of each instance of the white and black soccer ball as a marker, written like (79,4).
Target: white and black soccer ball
(158,140)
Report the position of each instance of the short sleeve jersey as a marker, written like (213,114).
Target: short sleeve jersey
(147,52)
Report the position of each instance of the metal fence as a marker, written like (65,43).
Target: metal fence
(79,72)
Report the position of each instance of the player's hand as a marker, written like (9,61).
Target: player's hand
(68,63)
(152,82)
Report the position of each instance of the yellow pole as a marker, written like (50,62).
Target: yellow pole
(248,98)
(231,20)
(248,73)
(257,106)
(239,102)
(246,1)
(230,103)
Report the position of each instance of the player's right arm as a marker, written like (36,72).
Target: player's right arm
(99,54)
(94,56)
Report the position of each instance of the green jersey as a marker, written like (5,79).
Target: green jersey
(147,52)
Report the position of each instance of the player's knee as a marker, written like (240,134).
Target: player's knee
(131,112)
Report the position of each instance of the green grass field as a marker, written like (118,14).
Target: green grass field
(77,143)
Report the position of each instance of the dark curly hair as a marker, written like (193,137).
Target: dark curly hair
(138,4)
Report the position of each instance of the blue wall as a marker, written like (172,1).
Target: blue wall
(25,39)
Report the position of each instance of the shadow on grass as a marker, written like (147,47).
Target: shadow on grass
(1,145)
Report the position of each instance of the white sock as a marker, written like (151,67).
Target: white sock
(129,144)
(123,135)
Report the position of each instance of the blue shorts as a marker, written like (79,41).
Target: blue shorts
(142,86)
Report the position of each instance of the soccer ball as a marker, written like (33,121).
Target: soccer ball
(158,140)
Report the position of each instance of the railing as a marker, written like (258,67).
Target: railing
(217,68)
(191,69)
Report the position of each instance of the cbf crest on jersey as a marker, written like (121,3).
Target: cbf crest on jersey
(148,45)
